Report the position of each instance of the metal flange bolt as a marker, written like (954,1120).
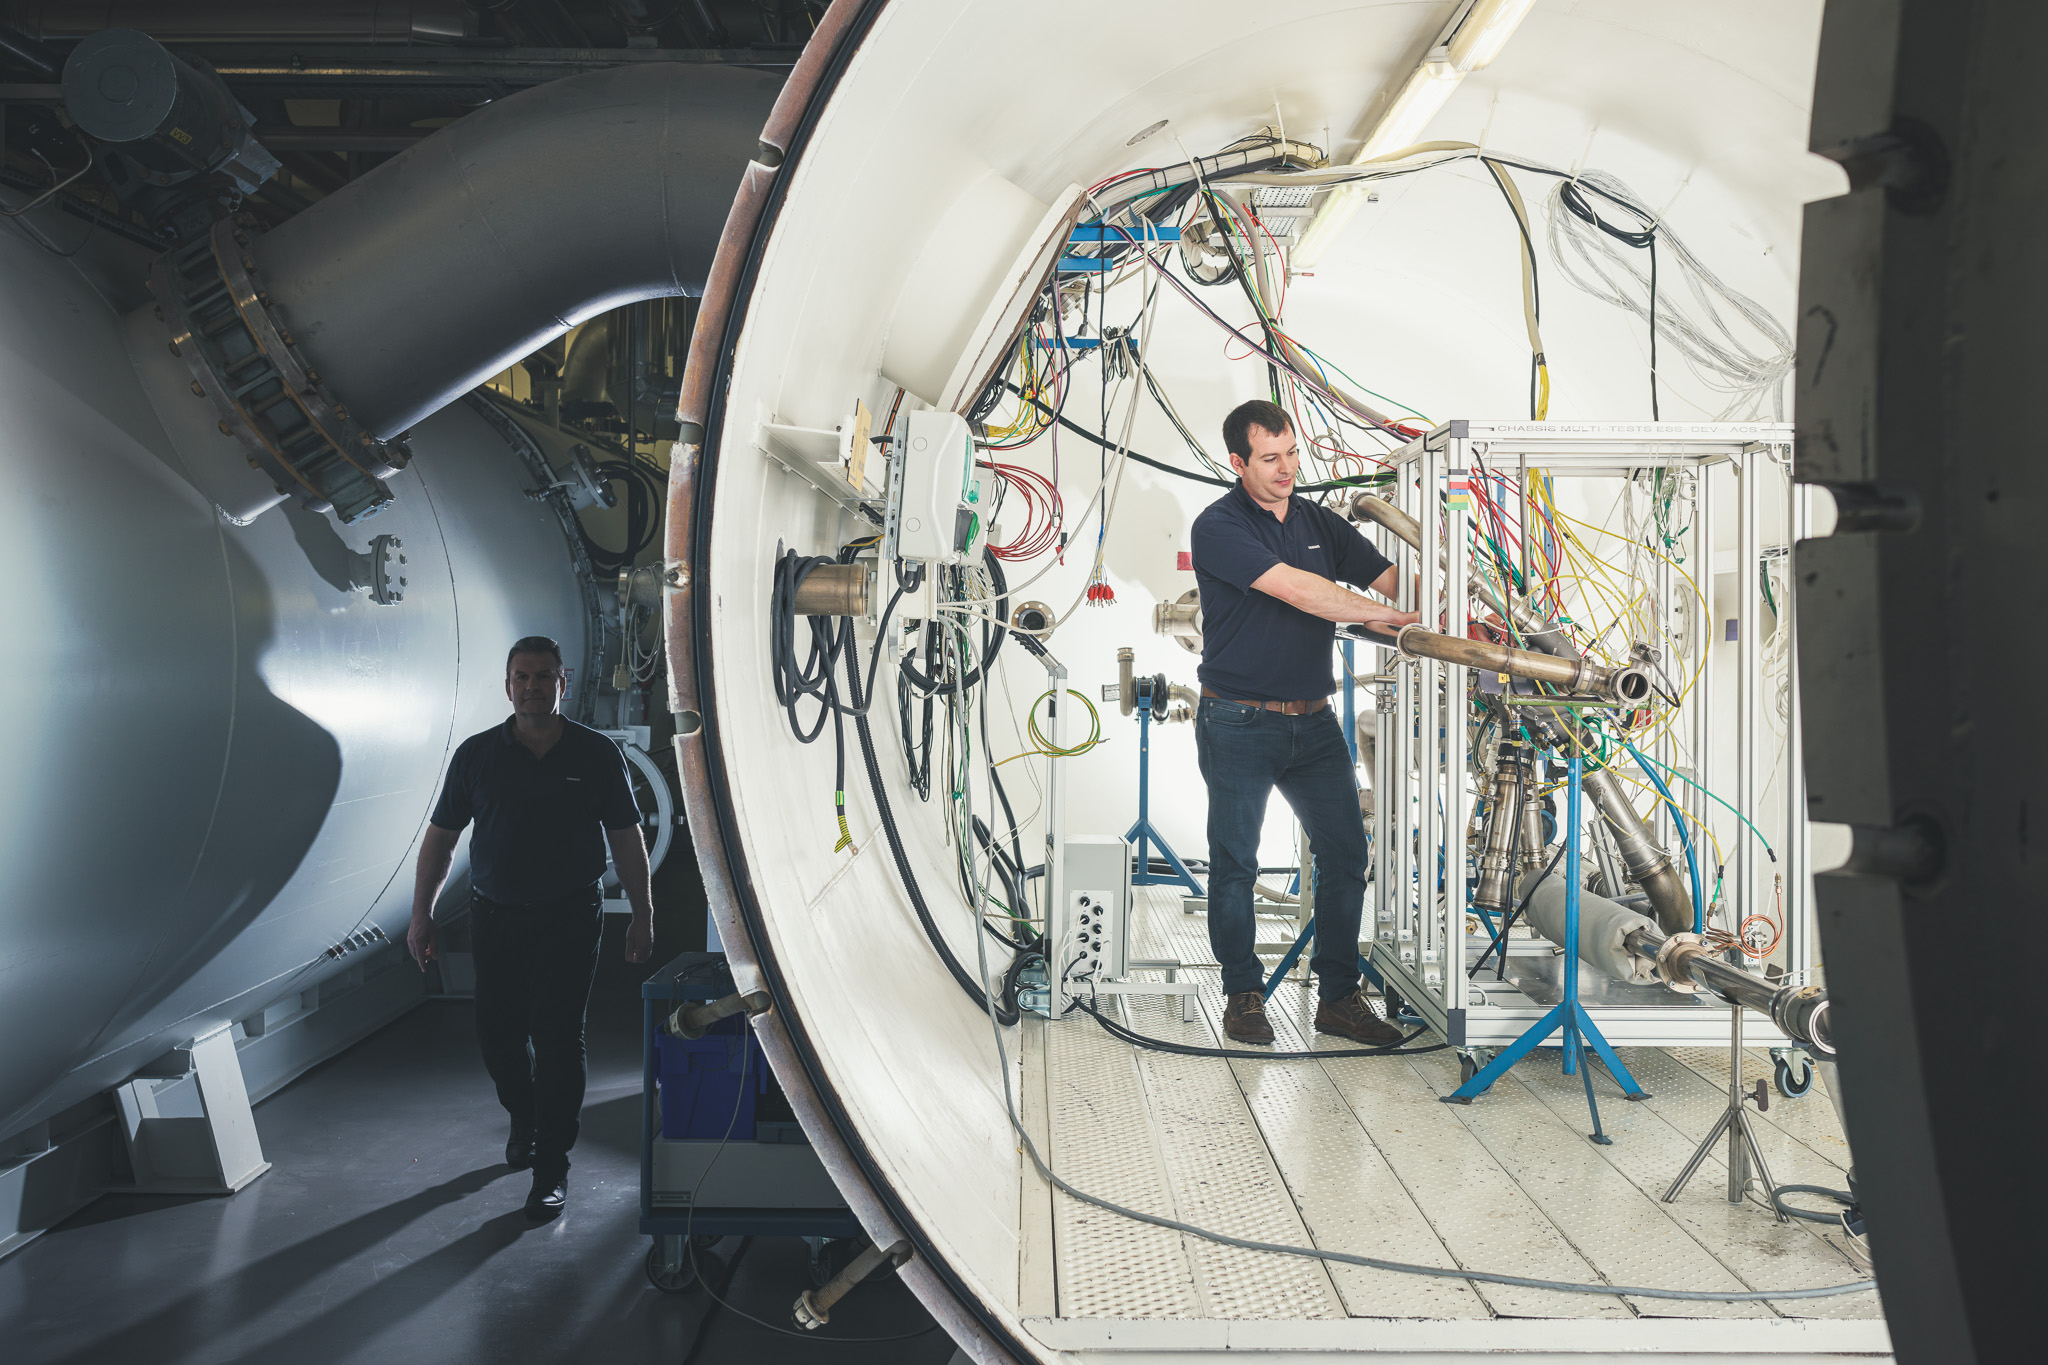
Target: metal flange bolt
(813,1307)
(691,1022)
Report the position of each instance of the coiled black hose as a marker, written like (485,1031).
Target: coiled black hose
(644,497)
(1842,1197)
(992,634)
(1005,1011)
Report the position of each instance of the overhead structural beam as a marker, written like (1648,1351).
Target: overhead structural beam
(356,71)
(1468,43)
(296,139)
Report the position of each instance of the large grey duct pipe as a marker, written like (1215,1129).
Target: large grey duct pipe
(388,300)
(494,236)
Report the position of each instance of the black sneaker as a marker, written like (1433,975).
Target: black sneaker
(548,1196)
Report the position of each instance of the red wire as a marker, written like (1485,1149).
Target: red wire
(1043,511)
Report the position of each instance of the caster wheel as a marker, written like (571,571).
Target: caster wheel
(1468,1067)
(1792,1084)
(679,1280)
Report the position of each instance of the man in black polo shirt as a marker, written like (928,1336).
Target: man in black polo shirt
(547,795)
(1268,564)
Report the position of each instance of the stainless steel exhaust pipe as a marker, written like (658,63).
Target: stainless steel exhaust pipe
(1622,686)
(1648,864)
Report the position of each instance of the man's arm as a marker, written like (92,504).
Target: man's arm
(1318,596)
(629,859)
(437,854)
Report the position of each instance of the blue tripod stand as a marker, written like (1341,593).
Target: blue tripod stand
(1142,833)
(1568,1014)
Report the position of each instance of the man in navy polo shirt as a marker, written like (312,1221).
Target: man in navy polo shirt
(547,795)
(1268,564)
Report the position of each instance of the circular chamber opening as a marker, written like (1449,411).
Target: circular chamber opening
(1632,685)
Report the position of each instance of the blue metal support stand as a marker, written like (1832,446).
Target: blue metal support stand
(1143,835)
(1568,1014)
(1308,932)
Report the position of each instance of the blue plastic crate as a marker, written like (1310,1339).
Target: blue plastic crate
(702,1082)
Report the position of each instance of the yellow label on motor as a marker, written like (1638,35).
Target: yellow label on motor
(181,135)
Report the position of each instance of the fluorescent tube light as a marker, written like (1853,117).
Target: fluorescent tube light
(1486,31)
(1479,38)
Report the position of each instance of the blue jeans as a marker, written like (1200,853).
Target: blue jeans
(1246,752)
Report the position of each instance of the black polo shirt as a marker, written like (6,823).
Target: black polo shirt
(1254,646)
(540,822)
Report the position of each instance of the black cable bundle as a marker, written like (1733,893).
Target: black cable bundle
(816,677)
(1644,239)
(917,755)
(1004,1006)
(645,495)
(992,635)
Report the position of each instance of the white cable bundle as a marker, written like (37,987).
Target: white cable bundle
(1595,263)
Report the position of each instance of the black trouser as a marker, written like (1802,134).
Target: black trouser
(534,966)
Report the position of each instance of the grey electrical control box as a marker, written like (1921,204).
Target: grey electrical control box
(939,501)
(1091,939)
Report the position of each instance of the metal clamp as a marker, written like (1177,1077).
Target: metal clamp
(245,362)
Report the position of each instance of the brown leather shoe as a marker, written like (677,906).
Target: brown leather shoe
(1244,1018)
(1353,1018)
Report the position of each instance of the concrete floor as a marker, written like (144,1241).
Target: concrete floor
(389,1230)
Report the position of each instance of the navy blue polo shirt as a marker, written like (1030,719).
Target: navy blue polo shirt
(540,822)
(1254,646)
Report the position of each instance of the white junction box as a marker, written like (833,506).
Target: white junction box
(1091,940)
(938,507)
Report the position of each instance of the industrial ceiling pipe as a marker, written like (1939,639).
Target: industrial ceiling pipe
(405,289)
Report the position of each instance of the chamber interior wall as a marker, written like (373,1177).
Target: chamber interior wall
(1422,295)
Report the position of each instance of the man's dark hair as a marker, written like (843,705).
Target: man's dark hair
(1237,428)
(533,644)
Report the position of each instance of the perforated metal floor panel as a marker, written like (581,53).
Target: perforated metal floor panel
(1360,1155)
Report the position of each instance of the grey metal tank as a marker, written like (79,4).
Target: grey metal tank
(224,748)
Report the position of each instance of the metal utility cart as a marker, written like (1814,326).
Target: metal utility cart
(733,1168)
(1424,794)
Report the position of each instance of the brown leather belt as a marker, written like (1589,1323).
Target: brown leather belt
(1285,708)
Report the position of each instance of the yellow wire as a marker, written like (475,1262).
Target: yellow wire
(1042,748)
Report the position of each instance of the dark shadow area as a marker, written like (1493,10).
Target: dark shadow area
(276,1276)
(614,1124)
(336,1333)
(327,554)
(111,1208)
(389,1232)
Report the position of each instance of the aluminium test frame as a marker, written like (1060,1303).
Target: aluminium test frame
(1422,781)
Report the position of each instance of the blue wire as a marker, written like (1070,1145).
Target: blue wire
(1692,865)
